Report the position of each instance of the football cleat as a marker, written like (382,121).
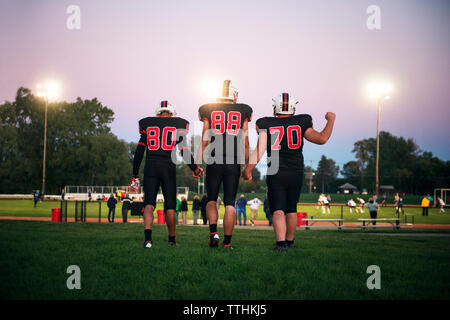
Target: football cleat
(214,239)
(135,184)
(290,245)
(280,248)
(148,244)
(228,245)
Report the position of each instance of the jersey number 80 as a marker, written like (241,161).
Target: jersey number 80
(153,140)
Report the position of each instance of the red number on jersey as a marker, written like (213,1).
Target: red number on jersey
(290,136)
(233,123)
(166,131)
(153,138)
(280,130)
(218,122)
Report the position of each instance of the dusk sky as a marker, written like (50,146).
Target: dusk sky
(132,54)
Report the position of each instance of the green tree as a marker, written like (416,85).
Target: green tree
(327,172)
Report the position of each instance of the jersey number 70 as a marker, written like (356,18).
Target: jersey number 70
(291,131)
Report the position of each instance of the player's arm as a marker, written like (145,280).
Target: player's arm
(246,142)
(138,155)
(186,153)
(256,155)
(205,140)
(321,137)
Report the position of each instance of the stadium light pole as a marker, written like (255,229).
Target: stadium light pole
(379,92)
(47,91)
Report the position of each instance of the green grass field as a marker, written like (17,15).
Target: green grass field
(24,208)
(34,257)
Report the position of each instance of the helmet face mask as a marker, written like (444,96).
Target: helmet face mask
(229,92)
(284,104)
(165,106)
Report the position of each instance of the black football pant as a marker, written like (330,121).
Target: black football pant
(228,174)
(283,190)
(160,173)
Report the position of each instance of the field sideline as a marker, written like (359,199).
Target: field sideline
(24,208)
(324,265)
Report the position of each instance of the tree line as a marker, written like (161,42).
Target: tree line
(82,150)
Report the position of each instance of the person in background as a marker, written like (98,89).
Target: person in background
(425,205)
(383,202)
(241,207)
(351,205)
(372,206)
(203,203)
(63,194)
(254,206)
(126,205)
(431,201)
(195,208)
(112,201)
(177,209)
(89,195)
(36,196)
(183,209)
(361,205)
(400,206)
(441,204)
(267,211)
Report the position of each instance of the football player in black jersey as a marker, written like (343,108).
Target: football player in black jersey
(159,136)
(225,129)
(282,136)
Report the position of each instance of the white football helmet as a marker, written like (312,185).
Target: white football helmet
(229,92)
(165,106)
(284,103)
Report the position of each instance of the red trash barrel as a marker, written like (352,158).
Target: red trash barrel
(56,214)
(300,217)
(161,217)
(305,215)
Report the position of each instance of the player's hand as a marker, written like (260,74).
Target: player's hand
(246,175)
(330,116)
(135,184)
(198,172)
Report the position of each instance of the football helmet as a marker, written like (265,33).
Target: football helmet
(284,103)
(229,92)
(165,106)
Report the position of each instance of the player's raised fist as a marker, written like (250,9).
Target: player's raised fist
(198,172)
(135,184)
(330,116)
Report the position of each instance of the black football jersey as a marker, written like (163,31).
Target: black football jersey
(226,120)
(161,134)
(285,137)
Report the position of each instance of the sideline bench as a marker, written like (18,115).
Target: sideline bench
(395,222)
(406,219)
(336,222)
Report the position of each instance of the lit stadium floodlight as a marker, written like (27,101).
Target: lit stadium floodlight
(379,91)
(47,91)
(212,88)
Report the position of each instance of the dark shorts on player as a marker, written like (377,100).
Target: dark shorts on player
(228,174)
(160,173)
(283,190)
